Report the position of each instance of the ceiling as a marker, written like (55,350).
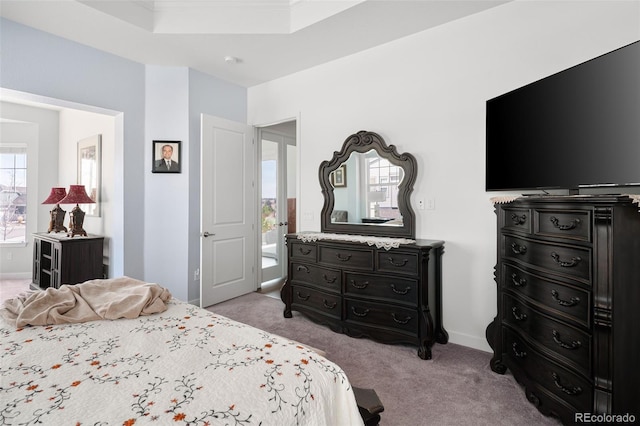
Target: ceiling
(246,42)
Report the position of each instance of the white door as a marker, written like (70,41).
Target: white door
(228,235)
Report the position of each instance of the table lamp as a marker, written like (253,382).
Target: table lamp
(56,224)
(77,195)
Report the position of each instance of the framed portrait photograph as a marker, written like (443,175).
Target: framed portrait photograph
(89,171)
(339,177)
(166,157)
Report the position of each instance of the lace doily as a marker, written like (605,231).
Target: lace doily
(504,199)
(386,243)
(635,199)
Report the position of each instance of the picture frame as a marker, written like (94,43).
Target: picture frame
(339,177)
(165,153)
(90,171)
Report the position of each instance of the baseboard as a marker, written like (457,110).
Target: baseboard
(15,276)
(469,341)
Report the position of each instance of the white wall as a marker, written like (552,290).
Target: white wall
(175,99)
(212,96)
(426,94)
(37,128)
(52,136)
(76,125)
(80,77)
(52,68)
(167,194)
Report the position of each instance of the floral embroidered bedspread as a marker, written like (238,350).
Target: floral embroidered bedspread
(185,366)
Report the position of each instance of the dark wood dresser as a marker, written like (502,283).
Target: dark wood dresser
(391,296)
(568,277)
(58,259)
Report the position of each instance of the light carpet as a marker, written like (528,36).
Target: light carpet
(456,387)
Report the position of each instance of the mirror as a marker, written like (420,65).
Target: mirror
(366,188)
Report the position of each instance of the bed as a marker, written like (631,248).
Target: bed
(184,365)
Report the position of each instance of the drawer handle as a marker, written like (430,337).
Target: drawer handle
(398,264)
(573,262)
(402,292)
(329,280)
(518,220)
(359,314)
(326,304)
(518,249)
(571,302)
(303,268)
(571,225)
(518,282)
(303,251)
(301,297)
(574,345)
(399,321)
(343,257)
(359,286)
(519,316)
(516,352)
(573,390)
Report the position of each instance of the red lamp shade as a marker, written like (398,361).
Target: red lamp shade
(57,214)
(56,195)
(77,195)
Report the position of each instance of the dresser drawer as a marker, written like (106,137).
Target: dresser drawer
(316,276)
(348,257)
(381,314)
(305,298)
(300,250)
(517,219)
(572,224)
(574,262)
(568,342)
(402,290)
(571,302)
(398,262)
(566,385)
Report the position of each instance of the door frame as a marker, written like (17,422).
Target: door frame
(257,130)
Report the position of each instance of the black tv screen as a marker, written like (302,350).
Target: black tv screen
(577,128)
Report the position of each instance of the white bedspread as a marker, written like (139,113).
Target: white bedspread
(185,366)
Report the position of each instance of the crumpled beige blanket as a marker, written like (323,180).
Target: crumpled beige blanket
(92,300)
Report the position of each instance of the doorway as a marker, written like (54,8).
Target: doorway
(278,177)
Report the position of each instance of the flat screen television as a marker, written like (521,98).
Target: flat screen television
(577,128)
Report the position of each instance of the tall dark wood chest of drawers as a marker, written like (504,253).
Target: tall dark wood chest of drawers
(392,296)
(567,327)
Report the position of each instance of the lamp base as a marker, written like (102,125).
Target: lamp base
(76,220)
(56,224)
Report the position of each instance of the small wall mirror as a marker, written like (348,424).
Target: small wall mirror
(366,188)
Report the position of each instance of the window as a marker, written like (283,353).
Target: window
(13,194)
(383,179)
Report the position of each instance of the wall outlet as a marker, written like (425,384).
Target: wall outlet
(196,274)
(431,204)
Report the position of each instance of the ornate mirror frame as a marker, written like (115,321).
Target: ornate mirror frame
(362,142)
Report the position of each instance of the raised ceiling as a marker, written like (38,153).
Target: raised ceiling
(269,38)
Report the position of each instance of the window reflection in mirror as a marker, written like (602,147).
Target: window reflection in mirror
(365,188)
